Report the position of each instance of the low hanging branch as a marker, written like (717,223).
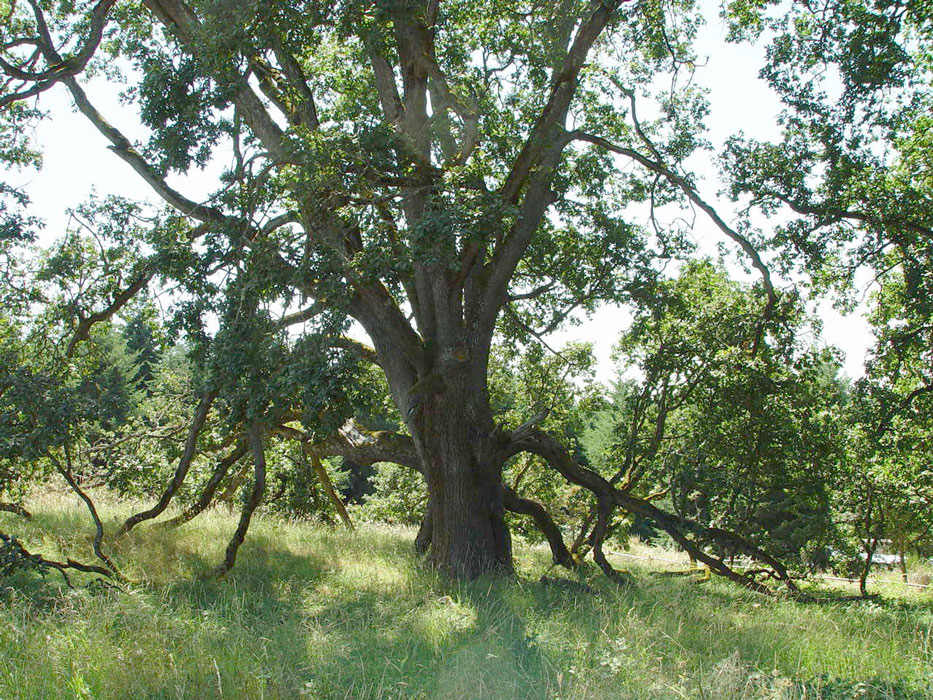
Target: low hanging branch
(66,471)
(363,446)
(603,517)
(210,489)
(184,464)
(257,450)
(545,523)
(15,509)
(15,557)
(326,483)
(543,445)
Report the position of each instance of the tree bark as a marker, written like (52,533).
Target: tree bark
(468,533)
(257,449)
(526,506)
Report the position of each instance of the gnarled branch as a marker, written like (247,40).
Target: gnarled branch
(181,471)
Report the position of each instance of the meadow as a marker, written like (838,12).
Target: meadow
(316,612)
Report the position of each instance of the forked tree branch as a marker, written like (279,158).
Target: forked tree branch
(20,555)
(59,68)
(532,171)
(545,446)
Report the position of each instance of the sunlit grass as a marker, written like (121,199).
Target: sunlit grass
(312,612)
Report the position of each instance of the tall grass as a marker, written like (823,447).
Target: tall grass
(311,612)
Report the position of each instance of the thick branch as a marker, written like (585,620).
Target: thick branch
(181,471)
(553,452)
(122,147)
(357,444)
(255,498)
(563,89)
(361,350)
(213,483)
(603,517)
(532,171)
(525,506)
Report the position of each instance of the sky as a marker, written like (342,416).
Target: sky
(76,163)
(739,101)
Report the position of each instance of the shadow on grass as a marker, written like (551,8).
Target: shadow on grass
(344,616)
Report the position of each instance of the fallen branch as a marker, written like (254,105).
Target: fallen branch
(15,557)
(15,508)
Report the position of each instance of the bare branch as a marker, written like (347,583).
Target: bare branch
(67,473)
(249,507)
(82,332)
(16,548)
(326,483)
(207,494)
(690,191)
(181,471)
(362,350)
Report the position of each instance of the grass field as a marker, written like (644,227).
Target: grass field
(311,612)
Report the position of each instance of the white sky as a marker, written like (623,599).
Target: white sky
(76,163)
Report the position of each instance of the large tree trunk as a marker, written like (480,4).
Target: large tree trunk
(468,534)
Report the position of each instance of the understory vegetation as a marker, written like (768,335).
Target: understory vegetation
(313,611)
